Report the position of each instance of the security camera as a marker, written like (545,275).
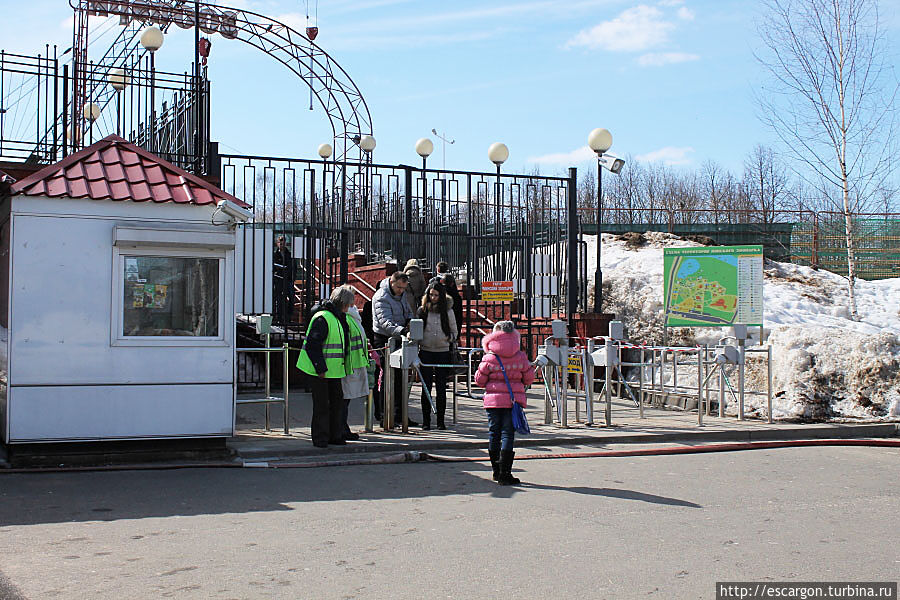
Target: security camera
(234,211)
(611,163)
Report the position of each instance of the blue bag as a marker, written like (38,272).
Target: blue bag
(520,423)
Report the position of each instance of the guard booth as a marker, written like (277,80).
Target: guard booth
(120,300)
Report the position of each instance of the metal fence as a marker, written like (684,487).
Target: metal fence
(487,226)
(806,237)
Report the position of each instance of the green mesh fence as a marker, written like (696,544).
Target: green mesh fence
(823,243)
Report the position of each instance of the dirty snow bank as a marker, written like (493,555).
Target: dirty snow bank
(825,365)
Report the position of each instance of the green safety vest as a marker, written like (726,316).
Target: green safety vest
(336,364)
(359,345)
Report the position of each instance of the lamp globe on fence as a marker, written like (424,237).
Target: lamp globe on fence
(117,79)
(152,39)
(367,144)
(325,151)
(424,148)
(497,153)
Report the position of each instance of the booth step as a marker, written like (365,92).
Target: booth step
(90,454)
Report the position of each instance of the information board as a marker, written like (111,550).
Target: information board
(497,291)
(713,286)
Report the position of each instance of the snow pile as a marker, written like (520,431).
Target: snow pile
(825,365)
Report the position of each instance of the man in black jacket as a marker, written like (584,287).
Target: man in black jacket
(282,282)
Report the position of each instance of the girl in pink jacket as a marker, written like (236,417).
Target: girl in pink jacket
(502,345)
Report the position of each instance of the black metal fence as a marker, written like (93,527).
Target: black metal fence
(340,216)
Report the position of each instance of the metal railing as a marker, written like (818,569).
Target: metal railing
(269,399)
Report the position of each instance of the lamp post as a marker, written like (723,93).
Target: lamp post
(152,40)
(497,153)
(600,141)
(424,148)
(91,113)
(118,80)
(367,144)
(324,153)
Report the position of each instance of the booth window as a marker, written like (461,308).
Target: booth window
(170,296)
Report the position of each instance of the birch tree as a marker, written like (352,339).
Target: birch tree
(832,101)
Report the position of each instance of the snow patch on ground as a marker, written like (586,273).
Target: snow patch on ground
(826,366)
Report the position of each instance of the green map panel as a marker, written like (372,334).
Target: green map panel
(713,286)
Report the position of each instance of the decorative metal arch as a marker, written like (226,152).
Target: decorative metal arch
(332,86)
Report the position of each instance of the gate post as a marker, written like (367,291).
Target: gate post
(572,245)
(407,220)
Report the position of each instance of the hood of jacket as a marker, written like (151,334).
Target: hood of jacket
(502,343)
(386,286)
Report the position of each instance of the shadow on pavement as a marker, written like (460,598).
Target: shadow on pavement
(613,493)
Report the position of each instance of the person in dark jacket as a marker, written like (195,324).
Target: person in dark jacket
(325,357)
(416,283)
(446,279)
(391,313)
(282,282)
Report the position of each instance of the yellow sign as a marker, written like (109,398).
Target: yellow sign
(497,291)
(575,364)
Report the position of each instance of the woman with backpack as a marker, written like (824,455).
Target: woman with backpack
(505,373)
(440,332)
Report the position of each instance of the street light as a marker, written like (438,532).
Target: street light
(152,40)
(118,79)
(600,140)
(497,153)
(443,148)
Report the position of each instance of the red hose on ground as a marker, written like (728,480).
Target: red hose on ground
(725,447)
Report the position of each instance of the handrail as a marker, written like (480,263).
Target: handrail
(368,285)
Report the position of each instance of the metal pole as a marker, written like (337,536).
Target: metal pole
(608,369)
(370,413)
(286,374)
(455,396)
(388,387)
(675,371)
(268,376)
(722,390)
(741,357)
(699,388)
(598,274)
(769,368)
(572,250)
(548,415)
(641,385)
(588,364)
(404,399)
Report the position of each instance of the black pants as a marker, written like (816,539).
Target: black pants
(436,375)
(382,340)
(329,410)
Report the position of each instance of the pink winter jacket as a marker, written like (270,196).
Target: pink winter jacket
(518,369)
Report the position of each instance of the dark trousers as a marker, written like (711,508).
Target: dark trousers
(501,434)
(382,340)
(439,376)
(282,297)
(329,410)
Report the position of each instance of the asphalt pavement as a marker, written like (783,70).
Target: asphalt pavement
(630,527)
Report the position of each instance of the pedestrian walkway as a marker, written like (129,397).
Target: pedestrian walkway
(253,442)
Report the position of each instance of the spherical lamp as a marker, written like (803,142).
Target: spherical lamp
(498,153)
(152,39)
(117,79)
(367,143)
(91,112)
(600,140)
(325,151)
(424,147)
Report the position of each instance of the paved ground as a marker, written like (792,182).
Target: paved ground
(253,442)
(650,527)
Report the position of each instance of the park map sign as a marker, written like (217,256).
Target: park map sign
(713,286)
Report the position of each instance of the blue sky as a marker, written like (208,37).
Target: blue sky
(673,80)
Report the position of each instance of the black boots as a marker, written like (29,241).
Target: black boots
(506,463)
(495,463)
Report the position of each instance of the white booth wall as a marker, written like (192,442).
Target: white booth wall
(72,373)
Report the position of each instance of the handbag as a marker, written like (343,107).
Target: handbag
(459,365)
(520,423)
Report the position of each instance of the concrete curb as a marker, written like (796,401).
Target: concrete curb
(279,450)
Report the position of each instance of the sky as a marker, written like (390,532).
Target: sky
(673,80)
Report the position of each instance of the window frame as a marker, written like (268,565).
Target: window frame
(117,337)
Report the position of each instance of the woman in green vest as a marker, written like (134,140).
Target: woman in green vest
(326,357)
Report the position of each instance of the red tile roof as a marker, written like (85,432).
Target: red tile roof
(115,169)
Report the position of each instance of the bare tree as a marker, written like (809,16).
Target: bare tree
(832,104)
(766,183)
